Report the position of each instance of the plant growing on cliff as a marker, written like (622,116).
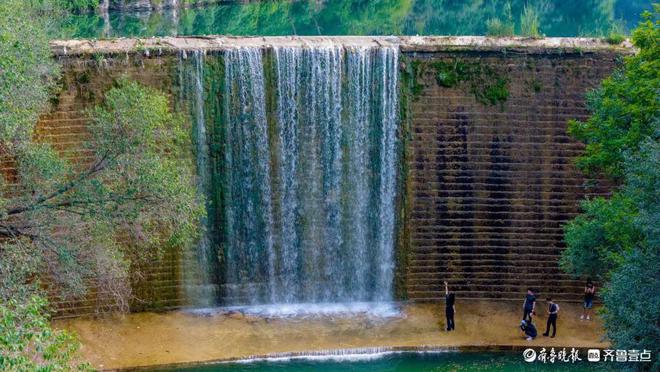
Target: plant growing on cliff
(529,22)
(498,27)
(618,239)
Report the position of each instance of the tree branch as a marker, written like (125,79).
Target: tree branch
(97,167)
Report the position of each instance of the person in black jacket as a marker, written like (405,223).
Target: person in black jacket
(450,308)
(553,310)
(529,306)
(528,329)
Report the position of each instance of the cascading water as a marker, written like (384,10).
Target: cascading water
(201,265)
(307,143)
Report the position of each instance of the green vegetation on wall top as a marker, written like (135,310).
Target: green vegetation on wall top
(481,80)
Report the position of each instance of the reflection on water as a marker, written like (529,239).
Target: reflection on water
(360,17)
(401,362)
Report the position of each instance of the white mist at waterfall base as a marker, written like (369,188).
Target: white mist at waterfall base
(371,310)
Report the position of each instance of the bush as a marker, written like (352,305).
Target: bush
(495,27)
(28,343)
(529,22)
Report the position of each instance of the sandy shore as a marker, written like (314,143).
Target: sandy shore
(144,339)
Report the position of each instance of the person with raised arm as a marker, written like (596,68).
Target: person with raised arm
(589,293)
(450,308)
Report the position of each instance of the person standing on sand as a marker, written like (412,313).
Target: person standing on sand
(529,305)
(589,293)
(450,308)
(553,310)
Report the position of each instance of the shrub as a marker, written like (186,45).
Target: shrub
(495,27)
(28,343)
(529,22)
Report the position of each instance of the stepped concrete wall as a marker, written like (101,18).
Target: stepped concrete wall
(489,179)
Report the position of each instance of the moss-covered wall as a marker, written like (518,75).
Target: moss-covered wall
(491,169)
(488,175)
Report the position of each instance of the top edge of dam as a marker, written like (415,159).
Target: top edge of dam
(422,44)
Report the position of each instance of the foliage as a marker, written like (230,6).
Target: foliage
(598,239)
(488,87)
(615,38)
(529,22)
(615,35)
(27,72)
(68,218)
(138,185)
(618,123)
(346,17)
(28,343)
(632,313)
(78,5)
(618,239)
(495,27)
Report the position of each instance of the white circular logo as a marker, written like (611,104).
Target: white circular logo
(529,355)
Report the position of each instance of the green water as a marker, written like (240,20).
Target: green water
(450,361)
(362,17)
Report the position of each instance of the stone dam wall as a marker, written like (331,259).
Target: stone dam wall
(488,174)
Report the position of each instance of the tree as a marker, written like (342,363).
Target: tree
(623,109)
(624,116)
(69,223)
(136,186)
(618,239)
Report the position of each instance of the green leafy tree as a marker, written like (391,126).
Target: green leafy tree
(136,186)
(67,223)
(623,109)
(624,115)
(618,239)
(28,343)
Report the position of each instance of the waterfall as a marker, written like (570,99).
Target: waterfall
(307,144)
(248,202)
(200,287)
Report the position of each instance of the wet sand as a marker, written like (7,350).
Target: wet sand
(143,339)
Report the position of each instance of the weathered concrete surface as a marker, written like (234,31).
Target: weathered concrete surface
(406,43)
(144,339)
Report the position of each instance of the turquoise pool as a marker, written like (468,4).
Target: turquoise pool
(403,362)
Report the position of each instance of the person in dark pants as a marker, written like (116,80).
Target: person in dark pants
(553,310)
(528,329)
(450,308)
(589,293)
(529,305)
